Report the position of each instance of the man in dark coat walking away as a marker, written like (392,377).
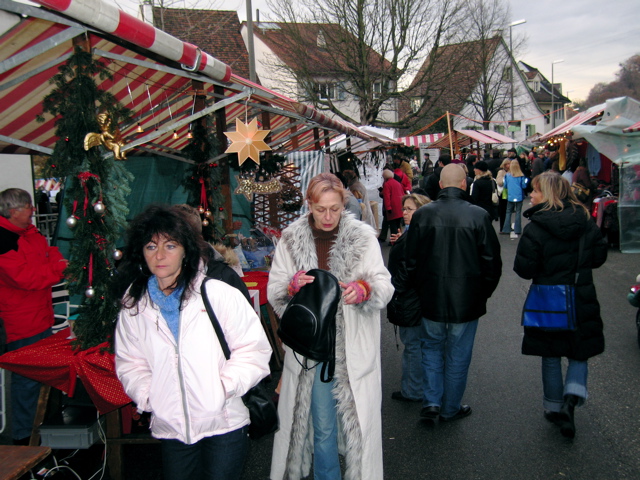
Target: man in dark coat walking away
(432,185)
(453,262)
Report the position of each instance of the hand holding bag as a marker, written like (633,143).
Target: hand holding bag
(308,324)
(552,307)
(262,411)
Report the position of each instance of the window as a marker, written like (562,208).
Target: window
(531,130)
(377,89)
(499,129)
(416,103)
(536,86)
(326,91)
(506,73)
(472,127)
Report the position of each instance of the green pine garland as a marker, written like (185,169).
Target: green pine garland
(76,100)
(202,147)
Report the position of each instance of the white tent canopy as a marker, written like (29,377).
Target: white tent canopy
(608,136)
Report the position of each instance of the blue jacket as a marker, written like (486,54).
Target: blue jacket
(515,187)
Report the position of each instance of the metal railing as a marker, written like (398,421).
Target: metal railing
(46,223)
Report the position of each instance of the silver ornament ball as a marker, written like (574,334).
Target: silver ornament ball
(99,207)
(117,254)
(205,222)
(90,292)
(71,221)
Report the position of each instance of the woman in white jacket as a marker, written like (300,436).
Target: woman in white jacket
(343,415)
(168,356)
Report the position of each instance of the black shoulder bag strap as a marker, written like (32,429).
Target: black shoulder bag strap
(214,320)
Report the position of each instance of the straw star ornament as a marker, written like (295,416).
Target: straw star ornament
(247,141)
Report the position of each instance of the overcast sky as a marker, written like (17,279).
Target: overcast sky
(592,36)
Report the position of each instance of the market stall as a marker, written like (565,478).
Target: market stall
(617,136)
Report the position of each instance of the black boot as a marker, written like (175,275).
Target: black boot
(567,426)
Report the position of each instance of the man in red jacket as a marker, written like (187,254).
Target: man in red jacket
(28,269)
(392,193)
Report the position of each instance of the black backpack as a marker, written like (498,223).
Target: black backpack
(308,325)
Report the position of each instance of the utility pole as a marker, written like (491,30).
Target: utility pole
(512,61)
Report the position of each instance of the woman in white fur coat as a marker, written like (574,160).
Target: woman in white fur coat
(344,415)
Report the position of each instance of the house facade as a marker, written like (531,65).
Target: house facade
(548,97)
(485,91)
(296,60)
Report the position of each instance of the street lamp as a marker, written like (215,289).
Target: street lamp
(553,96)
(511,60)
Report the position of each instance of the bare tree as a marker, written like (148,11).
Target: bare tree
(488,62)
(372,48)
(627,83)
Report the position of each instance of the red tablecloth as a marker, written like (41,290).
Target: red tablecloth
(54,362)
(257,280)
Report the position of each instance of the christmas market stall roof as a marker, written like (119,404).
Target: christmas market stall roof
(590,115)
(464,138)
(416,140)
(165,82)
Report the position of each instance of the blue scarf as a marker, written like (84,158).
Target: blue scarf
(169,305)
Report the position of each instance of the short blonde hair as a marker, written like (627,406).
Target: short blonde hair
(322,183)
(419,200)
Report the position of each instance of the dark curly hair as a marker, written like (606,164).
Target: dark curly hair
(133,272)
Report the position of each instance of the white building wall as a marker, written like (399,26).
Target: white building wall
(525,109)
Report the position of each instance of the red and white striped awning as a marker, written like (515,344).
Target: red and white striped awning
(633,128)
(416,140)
(158,77)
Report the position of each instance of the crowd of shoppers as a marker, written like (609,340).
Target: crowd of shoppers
(445,251)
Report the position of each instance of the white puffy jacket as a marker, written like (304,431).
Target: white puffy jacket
(191,389)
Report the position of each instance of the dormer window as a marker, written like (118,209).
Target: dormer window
(321,42)
(536,86)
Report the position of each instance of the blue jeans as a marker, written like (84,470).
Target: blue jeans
(24,393)
(219,457)
(553,386)
(513,207)
(446,356)
(326,463)
(411,384)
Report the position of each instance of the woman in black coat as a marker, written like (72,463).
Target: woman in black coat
(548,254)
(411,384)
(482,189)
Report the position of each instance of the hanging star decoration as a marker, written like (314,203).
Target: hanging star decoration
(247,141)
(247,187)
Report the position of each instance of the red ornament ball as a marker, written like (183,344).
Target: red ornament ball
(221,209)
(215,164)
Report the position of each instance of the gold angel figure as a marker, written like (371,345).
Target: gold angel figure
(110,139)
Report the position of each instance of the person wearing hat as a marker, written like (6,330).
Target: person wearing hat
(482,188)
(427,166)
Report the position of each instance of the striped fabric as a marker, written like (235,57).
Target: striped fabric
(60,297)
(311,163)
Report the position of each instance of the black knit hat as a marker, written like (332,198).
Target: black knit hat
(481,165)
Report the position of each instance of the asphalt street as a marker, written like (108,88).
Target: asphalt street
(506,437)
